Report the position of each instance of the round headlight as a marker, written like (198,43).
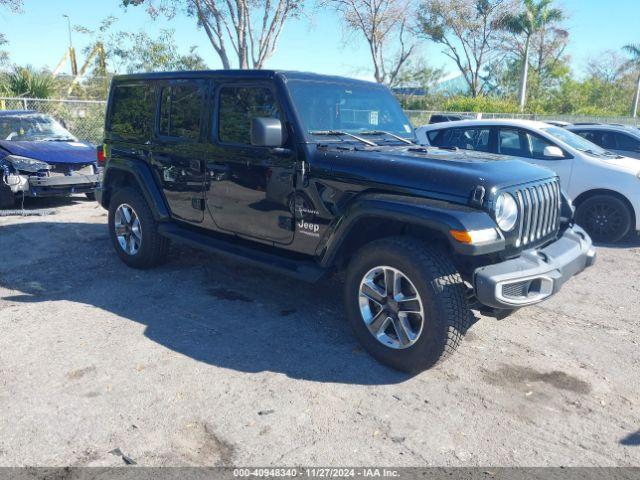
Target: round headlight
(506,212)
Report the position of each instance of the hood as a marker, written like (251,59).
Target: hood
(625,163)
(445,172)
(52,152)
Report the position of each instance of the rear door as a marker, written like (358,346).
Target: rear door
(178,150)
(250,188)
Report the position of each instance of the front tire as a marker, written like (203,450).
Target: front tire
(605,218)
(406,303)
(134,230)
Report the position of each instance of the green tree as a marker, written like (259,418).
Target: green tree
(633,50)
(28,82)
(534,18)
(138,52)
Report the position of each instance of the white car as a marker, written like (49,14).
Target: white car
(605,187)
(615,138)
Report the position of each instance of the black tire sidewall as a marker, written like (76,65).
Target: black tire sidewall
(582,217)
(146,255)
(432,343)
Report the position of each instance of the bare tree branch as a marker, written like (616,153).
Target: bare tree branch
(382,23)
(252,28)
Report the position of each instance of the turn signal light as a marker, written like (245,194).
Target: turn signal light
(475,236)
(461,235)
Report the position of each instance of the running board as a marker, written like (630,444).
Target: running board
(307,271)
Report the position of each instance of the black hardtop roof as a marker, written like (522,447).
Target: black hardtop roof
(239,75)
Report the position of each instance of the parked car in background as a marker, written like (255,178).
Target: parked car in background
(557,123)
(615,138)
(39,157)
(604,186)
(449,117)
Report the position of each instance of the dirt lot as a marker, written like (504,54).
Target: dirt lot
(205,362)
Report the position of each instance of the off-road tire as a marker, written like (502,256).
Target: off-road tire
(153,248)
(440,287)
(604,206)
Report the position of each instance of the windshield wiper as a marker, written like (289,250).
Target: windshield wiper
(382,132)
(339,133)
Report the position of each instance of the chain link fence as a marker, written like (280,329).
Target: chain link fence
(83,118)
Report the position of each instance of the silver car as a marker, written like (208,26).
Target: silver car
(614,138)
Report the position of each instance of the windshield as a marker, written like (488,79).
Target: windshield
(575,141)
(353,108)
(32,127)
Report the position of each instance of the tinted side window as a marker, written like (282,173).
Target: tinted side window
(465,139)
(537,145)
(607,140)
(435,137)
(510,142)
(238,106)
(131,111)
(626,142)
(591,135)
(180,111)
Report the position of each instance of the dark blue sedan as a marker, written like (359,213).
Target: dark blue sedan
(39,157)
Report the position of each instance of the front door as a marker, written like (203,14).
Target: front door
(529,146)
(178,151)
(250,189)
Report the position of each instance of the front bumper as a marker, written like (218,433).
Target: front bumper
(35,186)
(536,274)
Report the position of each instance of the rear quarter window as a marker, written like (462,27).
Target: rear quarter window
(131,111)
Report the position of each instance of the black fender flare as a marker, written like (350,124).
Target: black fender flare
(438,215)
(145,181)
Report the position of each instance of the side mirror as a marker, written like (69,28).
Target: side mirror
(553,152)
(266,132)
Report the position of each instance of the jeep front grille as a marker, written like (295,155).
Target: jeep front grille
(539,211)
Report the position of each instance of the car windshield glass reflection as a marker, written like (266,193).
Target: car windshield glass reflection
(351,108)
(33,127)
(576,141)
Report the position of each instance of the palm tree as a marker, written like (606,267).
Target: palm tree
(634,52)
(535,16)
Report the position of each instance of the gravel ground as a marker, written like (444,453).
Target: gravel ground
(207,362)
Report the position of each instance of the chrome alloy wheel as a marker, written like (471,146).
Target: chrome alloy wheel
(127,228)
(391,307)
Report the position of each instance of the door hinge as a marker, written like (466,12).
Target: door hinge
(286,223)
(197,203)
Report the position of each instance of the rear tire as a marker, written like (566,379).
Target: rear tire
(134,230)
(605,218)
(425,270)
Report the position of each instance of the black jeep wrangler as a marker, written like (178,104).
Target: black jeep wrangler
(305,174)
